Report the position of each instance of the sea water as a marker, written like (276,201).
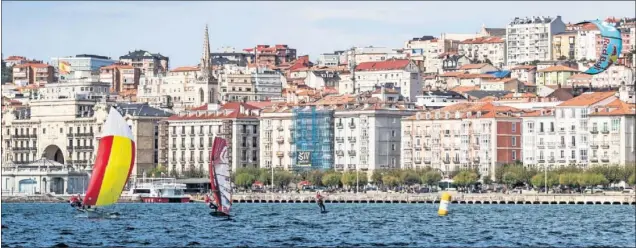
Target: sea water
(284,225)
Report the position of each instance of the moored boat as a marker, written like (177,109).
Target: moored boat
(159,190)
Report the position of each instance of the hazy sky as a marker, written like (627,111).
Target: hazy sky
(43,30)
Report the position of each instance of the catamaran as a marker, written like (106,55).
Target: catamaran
(112,167)
(220,181)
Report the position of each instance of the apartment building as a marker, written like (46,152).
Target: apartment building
(530,39)
(230,56)
(588,37)
(564,45)
(525,73)
(64,125)
(462,136)
(32,73)
(146,62)
(612,134)
(484,50)
(401,73)
(340,132)
(191,133)
(614,77)
(554,75)
(562,136)
(272,55)
(120,77)
(255,83)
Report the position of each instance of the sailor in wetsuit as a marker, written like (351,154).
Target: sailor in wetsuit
(319,201)
(76,201)
(210,203)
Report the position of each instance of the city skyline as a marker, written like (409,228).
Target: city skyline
(312,28)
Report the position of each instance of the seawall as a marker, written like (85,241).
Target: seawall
(457,198)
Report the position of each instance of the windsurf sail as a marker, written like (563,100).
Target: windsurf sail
(220,182)
(113,164)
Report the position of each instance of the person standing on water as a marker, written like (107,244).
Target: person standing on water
(320,202)
(210,203)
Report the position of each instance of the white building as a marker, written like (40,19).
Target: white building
(586,43)
(485,50)
(530,39)
(319,79)
(184,87)
(560,137)
(364,132)
(401,73)
(191,133)
(42,176)
(439,99)
(612,134)
(65,127)
(249,83)
(614,76)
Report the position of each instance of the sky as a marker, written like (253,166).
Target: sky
(42,30)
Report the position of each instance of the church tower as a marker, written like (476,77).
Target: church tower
(205,59)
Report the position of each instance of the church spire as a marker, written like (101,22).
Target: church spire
(205,59)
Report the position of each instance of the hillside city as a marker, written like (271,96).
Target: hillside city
(513,94)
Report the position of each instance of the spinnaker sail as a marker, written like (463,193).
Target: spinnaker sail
(113,164)
(220,182)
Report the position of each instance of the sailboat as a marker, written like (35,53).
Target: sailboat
(220,181)
(113,165)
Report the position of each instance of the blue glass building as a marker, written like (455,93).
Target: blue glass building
(314,138)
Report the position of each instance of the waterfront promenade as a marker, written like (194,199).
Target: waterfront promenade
(431,198)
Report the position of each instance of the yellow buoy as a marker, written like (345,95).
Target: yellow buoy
(443,204)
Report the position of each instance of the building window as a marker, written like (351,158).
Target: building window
(514,141)
(573,155)
(514,155)
(514,127)
(615,125)
(393,133)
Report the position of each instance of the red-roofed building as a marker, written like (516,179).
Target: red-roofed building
(191,133)
(401,73)
(121,77)
(272,55)
(33,73)
(462,136)
(525,73)
(484,50)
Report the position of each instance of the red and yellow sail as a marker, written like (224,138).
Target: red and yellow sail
(113,164)
(64,67)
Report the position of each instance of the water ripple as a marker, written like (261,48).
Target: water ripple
(301,225)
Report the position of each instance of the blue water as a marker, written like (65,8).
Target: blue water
(361,225)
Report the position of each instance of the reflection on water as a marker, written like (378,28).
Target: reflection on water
(276,225)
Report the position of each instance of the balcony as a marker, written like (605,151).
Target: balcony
(191,146)
(594,131)
(280,140)
(551,131)
(476,159)
(201,132)
(605,159)
(427,134)
(418,147)
(594,145)
(605,145)
(594,159)
(191,133)
(339,126)
(408,146)
(427,160)
(561,145)
(352,139)
(280,154)
(200,160)
(201,146)
(561,160)
(340,140)
(351,152)
(605,131)
(407,133)
(280,128)
(541,160)
(340,153)
(455,161)
(562,131)
(352,125)
(339,166)
(183,146)
(427,146)
(418,160)
(418,134)
(446,161)
(541,146)
(292,128)
(551,160)
(551,145)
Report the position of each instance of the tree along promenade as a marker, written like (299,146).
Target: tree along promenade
(457,198)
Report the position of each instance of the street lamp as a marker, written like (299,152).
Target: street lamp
(545,178)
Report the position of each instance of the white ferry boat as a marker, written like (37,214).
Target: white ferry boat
(158,190)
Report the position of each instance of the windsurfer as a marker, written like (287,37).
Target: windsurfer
(210,203)
(320,202)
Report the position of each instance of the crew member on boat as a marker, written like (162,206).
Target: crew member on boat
(76,201)
(320,202)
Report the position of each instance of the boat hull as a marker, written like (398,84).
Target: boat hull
(165,199)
